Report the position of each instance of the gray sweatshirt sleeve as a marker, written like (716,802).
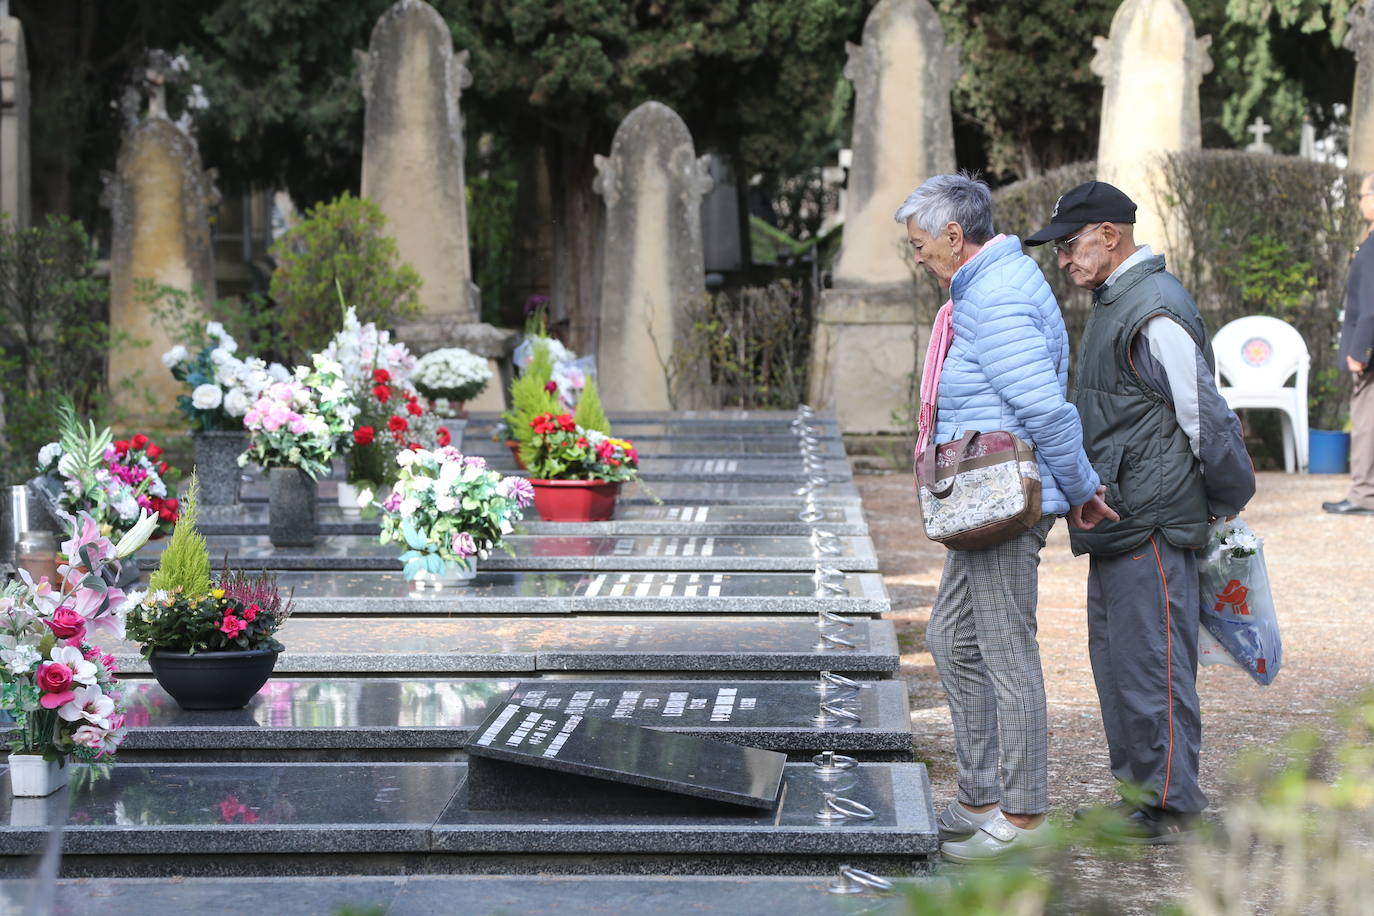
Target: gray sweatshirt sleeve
(1166,358)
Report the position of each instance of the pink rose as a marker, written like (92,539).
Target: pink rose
(463,544)
(232,626)
(54,677)
(67,624)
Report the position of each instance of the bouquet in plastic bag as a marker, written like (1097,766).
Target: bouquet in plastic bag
(1237,605)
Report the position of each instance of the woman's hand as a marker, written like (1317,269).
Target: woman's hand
(1093,511)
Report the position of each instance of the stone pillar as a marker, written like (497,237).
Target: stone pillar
(865,348)
(652,263)
(159,199)
(413,169)
(1150,65)
(1360,39)
(14,120)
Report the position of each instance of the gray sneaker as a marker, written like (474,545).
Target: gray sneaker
(959,823)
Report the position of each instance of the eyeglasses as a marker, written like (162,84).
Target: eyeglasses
(1066,246)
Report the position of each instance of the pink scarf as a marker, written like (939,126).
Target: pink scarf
(941,337)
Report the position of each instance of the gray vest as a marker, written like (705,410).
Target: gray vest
(1130,432)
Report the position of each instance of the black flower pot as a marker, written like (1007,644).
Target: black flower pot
(213,680)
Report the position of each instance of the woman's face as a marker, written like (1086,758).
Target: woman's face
(937,254)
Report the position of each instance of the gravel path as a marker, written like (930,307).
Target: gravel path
(1321,577)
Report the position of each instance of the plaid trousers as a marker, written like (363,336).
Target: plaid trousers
(982,636)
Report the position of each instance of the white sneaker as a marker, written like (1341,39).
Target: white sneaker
(995,838)
(959,823)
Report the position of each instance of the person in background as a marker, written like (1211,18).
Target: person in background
(1170,452)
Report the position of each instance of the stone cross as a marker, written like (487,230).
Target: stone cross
(1259,129)
(903,133)
(1360,39)
(413,151)
(652,265)
(1150,64)
(14,119)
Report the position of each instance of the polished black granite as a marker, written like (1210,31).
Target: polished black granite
(421,645)
(534,593)
(525,758)
(547,552)
(736,446)
(466,895)
(774,493)
(295,714)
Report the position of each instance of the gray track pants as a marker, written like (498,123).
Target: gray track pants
(982,637)
(1142,638)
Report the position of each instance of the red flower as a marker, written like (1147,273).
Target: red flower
(582,442)
(138,442)
(414,446)
(544,424)
(381,376)
(397,424)
(67,624)
(414,409)
(444,437)
(154,452)
(364,435)
(381,393)
(121,446)
(162,467)
(250,613)
(566,421)
(550,386)
(171,503)
(232,626)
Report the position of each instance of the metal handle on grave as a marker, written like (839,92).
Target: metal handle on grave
(829,760)
(830,641)
(853,880)
(826,618)
(831,681)
(829,572)
(829,714)
(838,808)
(811,515)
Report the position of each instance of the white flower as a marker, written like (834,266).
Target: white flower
(207,397)
(21,659)
(236,402)
(89,704)
(365,497)
(83,672)
(409,506)
(406,457)
(221,355)
(174,356)
(279,373)
(127,507)
(445,503)
(214,329)
(49,453)
(136,536)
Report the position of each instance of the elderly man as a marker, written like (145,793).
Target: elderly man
(1170,452)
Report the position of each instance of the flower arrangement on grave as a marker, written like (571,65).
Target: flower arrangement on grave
(568,372)
(299,423)
(56,683)
(114,481)
(222,385)
(576,472)
(448,510)
(210,639)
(532,392)
(452,375)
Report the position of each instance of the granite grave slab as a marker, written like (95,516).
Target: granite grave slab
(524,758)
(293,718)
(544,552)
(435,646)
(693,447)
(709,493)
(330,594)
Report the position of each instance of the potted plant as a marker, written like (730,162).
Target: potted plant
(55,683)
(448,510)
(294,428)
(115,482)
(576,472)
(532,392)
(222,387)
(210,642)
(450,377)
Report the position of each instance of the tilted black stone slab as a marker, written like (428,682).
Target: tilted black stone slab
(522,756)
(396,715)
(470,895)
(535,593)
(545,552)
(434,646)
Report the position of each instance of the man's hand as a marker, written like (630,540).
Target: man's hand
(1093,511)
(1354,366)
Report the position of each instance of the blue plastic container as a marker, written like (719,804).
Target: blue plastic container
(1328,452)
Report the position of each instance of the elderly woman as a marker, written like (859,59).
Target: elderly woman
(1005,369)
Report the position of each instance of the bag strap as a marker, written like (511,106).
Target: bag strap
(941,490)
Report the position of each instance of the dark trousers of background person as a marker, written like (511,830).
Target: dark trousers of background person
(1362,441)
(982,637)
(1143,642)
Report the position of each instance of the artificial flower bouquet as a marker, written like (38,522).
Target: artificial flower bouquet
(448,509)
(113,481)
(453,374)
(1238,609)
(299,423)
(391,420)
(223,385)
(362,349)
(55,681)
(560,449)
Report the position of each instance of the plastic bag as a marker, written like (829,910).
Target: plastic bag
(1237,605)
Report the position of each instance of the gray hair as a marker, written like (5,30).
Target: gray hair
(942,199)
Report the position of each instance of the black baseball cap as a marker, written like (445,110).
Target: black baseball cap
(1091,202)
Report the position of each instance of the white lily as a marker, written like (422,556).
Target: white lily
(136,536)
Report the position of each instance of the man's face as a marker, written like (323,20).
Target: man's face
(1084,256)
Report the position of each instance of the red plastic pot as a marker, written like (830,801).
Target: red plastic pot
(575,500)
(515,453)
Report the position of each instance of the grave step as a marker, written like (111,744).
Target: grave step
(400,719)
(537,594)
(145,820)
(644,553)
(479,645)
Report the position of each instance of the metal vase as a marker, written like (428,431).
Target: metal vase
(291,508)
(217,463)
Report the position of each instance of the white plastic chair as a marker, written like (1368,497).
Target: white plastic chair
(1257,355)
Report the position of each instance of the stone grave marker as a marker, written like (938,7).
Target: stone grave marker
(14,120)
(522,758)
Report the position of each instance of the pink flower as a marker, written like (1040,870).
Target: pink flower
(232,626)
(392,502)
(54,678)
(463,544)
(296,424)
(67,624)
(87,534)
(475,461)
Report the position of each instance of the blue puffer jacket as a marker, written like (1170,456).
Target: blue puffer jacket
(1008,369)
